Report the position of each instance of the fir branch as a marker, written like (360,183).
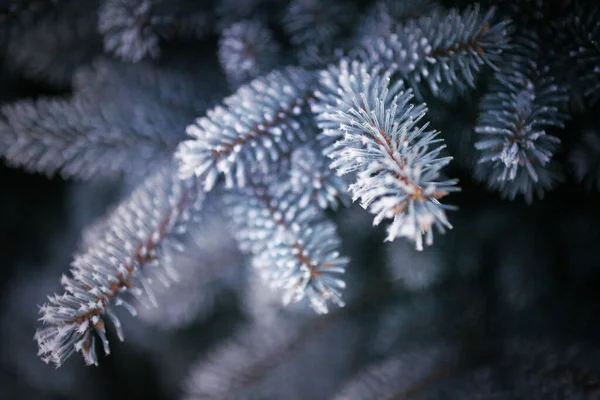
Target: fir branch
(134,29)
(56,43)
(441,48)
(295,247)
(522,103)
(69,137)
(246,50)
(120,119)
(140,230)
(261,141)
(397,172)
(129,29)
(313,180)
(461,42)
(251,130)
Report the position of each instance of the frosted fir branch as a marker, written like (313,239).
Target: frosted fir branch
(523,101)
(402,376)
(441,48)
(134,29)
(295,247)
(313,180)
(397,163)
(246,50)
(461,43)
(548,177)
(250,130)
(141,231)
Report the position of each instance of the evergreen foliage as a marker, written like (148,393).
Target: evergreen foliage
(524,100)
(246,50)
(141,232)
(242,134)
(397,173)
(295,248)
(255,127)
